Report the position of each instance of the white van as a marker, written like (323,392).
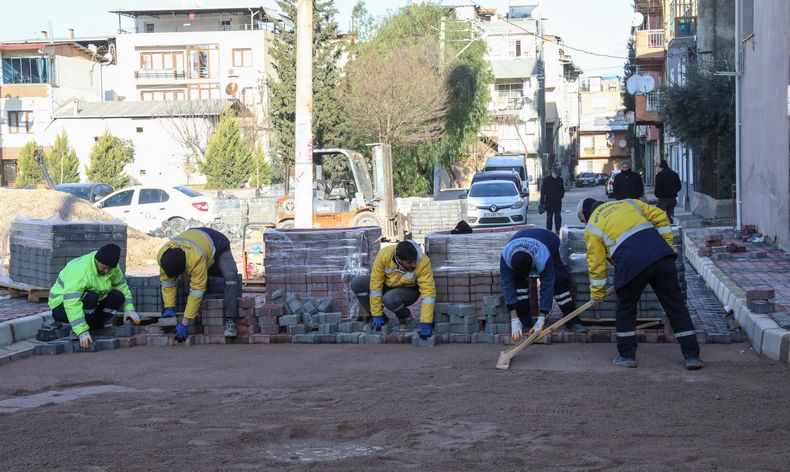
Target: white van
(515,163)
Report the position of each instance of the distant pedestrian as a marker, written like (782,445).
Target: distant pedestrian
(667,189)
(627,184)
(551,194)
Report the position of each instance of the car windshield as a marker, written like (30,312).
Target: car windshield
(83,192)
(493,189)
(188,191)
(517,170)
(586,175)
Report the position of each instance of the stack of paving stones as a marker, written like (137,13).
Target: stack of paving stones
(466,266)
(320,263)
(147,292)
(573,252)
(41,248)
(713,324)
(429,215)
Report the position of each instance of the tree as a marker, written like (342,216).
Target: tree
(263,170)
(362,22)
(62,163)
(27,170)
(394,98)
(190,122)
(108,158)
(328,129)
(228,162)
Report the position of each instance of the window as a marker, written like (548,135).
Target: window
(225,25)
(248,96)
(9,172)
(203,61)
(139,129)
(20,122)
(203,91)
(242,57)
(188,191)
(160,95)
(518,48)
(747,15)
(119,199)
(149,27)
(153,195)
(27,70)
(104,190)
(493,189)
(165,60)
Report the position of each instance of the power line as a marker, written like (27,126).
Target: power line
(565,45)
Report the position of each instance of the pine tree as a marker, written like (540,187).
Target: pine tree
(62,163)
(229,163)
(328,129)
(263,170)
(108,158)
(27,170)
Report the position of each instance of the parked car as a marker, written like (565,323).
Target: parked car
(90,192)
(585,179)
(147,207)
(510,175)
(601,179)
(495,203)
(610,184)
(516,163)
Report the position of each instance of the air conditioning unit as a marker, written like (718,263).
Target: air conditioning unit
(232,73)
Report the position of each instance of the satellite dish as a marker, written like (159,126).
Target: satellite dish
(623,143)
(610,141)
(629,117)
(648,83)
(640,84)
(231,88)
(637,19)
(92,48)
(524,114)
(108,57)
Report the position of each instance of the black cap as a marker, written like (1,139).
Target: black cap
(109,255)
(588,207)
(405,251)
(522,262)
(173,262)
(462,228)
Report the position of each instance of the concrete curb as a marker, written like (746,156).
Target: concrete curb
(22,329)
(767,338)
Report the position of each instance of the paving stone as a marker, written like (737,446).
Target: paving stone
(762,307)
(441,318)
(303,339)
(75,347)
(348,338)
(325,304)
(461,310)
(483,338)
(441,328)
(108,344)
(417,341)
(6,334)
(327,328)
(26,328)
(350,327)
(370,339)
(49,349)
(762,293)
(460,338)
(290,320)
(292,330)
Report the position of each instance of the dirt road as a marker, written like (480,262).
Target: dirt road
(292,407)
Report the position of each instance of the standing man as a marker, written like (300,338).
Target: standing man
(89,291)
(400,275)
(197,253)
(535,253)
(637,238)
(667,189)
(627,184)
(551,193)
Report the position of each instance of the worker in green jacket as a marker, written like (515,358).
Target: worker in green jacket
(89,291)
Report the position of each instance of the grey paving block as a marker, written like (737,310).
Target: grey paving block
(350,326)
(483,338)
(303,339)
(49,349)
(461,309)
(462,329)
(441,328)
(292,330)
(325,304)
(460,338)
(332,318)
(107,344)
(348,338)
(326,338)
(75,347)
(370,339)
(431,341)
(762,307)
(290,320)
(6,334)
(126,330)
(327,328)
(492,301)
(26,327)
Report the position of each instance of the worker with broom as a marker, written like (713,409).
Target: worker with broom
(89,291)
(637,239)
(535,252)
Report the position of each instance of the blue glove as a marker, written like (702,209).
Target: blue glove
(425,330)
(181,332)
(377,322)
(169,312)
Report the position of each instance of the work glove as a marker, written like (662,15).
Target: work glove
(182,330)
(131,316)
(595,303)
(377,322)
(169,312)
(425,330)
(516,331)
(85,339)
(538,326)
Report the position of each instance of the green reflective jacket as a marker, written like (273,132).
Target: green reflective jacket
(79,277)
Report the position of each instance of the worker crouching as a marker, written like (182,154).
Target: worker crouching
(401,274)
(89,291)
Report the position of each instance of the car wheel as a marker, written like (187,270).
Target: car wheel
(174,226)
(365,219)
(286,224)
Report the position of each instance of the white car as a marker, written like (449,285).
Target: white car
(147,207)
(495,203)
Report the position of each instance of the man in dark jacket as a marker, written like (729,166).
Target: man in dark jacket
(627,184)
(667,189)
(551,194)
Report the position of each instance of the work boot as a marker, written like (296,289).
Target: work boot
(230,329)
(576,326)
(621,361)
(694,363)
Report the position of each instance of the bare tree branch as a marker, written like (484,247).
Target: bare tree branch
(191,122)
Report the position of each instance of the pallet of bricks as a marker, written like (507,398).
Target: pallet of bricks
(573,253)
(40,249)
(428,215)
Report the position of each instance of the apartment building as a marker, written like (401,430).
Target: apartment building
(38,77)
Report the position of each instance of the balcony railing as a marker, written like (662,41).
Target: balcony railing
(655,38)
(653,102)
(160,74)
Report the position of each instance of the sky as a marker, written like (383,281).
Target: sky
(600,26)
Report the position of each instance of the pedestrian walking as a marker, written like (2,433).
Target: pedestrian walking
(551,194)
(627,184)
(667,188)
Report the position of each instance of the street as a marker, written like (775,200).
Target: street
(573,196)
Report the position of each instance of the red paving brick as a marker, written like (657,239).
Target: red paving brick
(12,308)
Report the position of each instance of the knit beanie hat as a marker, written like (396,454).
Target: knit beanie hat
(109,255)
(173,262)
(405,251)
(522,263)
(587,207)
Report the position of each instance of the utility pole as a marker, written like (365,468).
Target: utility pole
(303,169)
(437,170)
(738,188)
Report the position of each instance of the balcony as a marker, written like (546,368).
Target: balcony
(149,74)
(682,18)
(647,108)
(650,45)
(514,106)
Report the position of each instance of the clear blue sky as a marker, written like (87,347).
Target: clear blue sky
(594,25)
